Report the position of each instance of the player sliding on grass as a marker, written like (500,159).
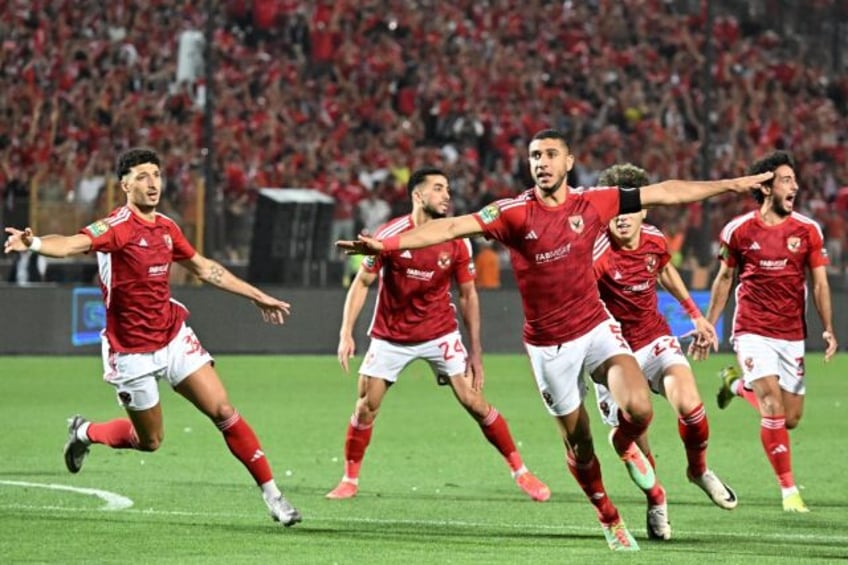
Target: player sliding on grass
(629,258)
(415,319)
(772,248)
(146,338)
(550,230)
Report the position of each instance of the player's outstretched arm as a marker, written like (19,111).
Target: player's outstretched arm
(48,245)
(821,298)
(273,310)
(682,191)
(354,302)
(431,233)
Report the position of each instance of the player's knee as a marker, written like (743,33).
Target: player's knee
(792,421)
(640,412)
(150,443)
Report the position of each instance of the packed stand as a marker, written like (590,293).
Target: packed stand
(349,97)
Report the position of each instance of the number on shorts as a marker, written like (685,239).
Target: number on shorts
(193,344)
(446,349)
(667,343)
(616,331)
(800,362)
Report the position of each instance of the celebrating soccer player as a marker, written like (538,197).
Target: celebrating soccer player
(550,230)
(415,319)
(629,257)
(146,338)
(771,248)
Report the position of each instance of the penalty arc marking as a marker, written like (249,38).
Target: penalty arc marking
(112,501)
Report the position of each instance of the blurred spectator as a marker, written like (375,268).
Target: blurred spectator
(27,267)
(487,264)
(372,212)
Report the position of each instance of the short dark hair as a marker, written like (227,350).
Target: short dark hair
(625,175)
(420,175)
(133,157)
(770,163)
(550,134)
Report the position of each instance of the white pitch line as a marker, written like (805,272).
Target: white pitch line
(524,527)
(113,501)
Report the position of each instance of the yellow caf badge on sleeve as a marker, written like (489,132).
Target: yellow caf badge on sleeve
(490,213)
(98,228)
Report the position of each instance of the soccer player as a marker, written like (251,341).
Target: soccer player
(550,230)
(771,248)
(629,258)
(146,338)
(415,319)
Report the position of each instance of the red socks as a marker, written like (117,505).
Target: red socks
(118,434)
(749,396)
(356,442)
(497,432)
(244,444)
(628,431)
(775,440)
(694,430)
(588,476)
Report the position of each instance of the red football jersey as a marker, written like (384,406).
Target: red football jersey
(551,254)
(627,280)
(771,260)
(414,301)
(135,258)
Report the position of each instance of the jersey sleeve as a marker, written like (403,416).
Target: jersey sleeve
(104,236)
(498,218)
(463,265)
(817,257)
(182,248)
(372,264)
(600,255)
(726,252)
(606,201)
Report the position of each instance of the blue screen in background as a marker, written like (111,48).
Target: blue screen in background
(677,318)
(88,316)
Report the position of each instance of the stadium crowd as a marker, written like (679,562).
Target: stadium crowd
(350,96)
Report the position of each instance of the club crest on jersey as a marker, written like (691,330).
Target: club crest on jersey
(490,213)
(444,260)
(98,228)
(576,223)
(793,244)
(169,242)
(651,262)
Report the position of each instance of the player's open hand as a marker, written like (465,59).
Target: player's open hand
(18,240)
(273,311)
(346,351)
(830,345)
(474,369)
(703,339)
(751,182)
(363,245)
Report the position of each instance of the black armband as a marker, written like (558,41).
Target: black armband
(629,200)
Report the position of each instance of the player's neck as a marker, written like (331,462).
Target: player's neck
(552,198)
(769,216)
(630,244)
(419,217)
(147,213)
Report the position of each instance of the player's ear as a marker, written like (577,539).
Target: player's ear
(644,213)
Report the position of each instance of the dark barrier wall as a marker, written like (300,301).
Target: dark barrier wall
(51,320)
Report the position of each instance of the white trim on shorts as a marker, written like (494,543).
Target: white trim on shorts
(135,376)
(558,369)
(385,360)
(760,356)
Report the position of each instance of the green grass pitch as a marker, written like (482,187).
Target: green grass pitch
(432,490)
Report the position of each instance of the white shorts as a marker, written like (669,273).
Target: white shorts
(135,376)
(654,359)
(558,369)
(761,356)
(385,359)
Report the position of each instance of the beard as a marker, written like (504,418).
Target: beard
(434,214)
